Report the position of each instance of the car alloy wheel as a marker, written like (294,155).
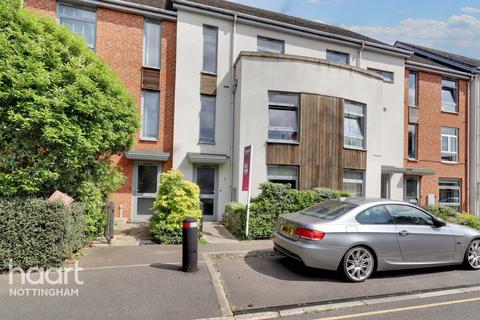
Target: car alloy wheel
(358,264)
(473,255)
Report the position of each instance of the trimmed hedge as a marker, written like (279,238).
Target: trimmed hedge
(39,233)
(274,200)
(451,215)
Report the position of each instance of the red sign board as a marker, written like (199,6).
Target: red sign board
(247,157)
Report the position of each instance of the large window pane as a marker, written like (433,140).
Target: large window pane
(449,138)
(353,182)
(412,141)
(337,57)
(150,114)
(449,95)
(354,125)
(206,180)
(412,89)
(449,193)
(80,21)
(411,189)
(283,116)
(207,119)
(147,179)
(283,175)
(144,206)
(270,45)
(152,37)
(210,49)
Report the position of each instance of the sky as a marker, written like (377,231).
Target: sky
(450,25)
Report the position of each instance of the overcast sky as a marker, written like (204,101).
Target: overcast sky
(451,25)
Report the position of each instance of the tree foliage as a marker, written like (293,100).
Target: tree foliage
(177,199)
(63,113)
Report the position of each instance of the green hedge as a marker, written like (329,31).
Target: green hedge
(451,215)
(36,232)
(274,200)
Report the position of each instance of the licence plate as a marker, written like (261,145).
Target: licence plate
(288,229)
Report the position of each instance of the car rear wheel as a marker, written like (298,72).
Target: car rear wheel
(358,264)
(472,256)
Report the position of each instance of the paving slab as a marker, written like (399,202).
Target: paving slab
(268,281)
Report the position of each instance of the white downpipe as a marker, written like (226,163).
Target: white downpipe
(232,90)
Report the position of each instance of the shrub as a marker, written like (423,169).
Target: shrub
(63,114)
(177,199)
(451,215)
(37,232)
(274,199)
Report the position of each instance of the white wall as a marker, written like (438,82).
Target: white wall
(187,96)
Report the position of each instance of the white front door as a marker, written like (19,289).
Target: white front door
(206,178)
(146,178)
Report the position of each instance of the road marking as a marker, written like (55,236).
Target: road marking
(380,312)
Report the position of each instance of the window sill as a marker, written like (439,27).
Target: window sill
(153,68)
(354,148)
(410,106)
(209,73)
(148,139)
(451,112)
(412,160)
(207,142)
(449,162)
(283,141)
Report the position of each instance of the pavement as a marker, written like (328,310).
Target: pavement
(142,282)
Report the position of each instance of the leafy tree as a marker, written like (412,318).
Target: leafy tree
(177,199)
(63,113)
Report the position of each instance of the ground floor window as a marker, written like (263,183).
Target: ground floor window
(284,175)
(353,182)
(449,193)
(412,189)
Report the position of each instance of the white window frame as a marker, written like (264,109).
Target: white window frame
(136,195)
(59,16)
(383,73)
(287,107)
(338,53)
(142,136)
(455,88)
(267,39)
(351,115)
(354,181)
(206,26)
(286,178)
(449,151)
(145,51)
(459,188)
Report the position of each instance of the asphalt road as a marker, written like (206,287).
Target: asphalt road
(450,307)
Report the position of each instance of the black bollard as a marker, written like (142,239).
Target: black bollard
(190,245)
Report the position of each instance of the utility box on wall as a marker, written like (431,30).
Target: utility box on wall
(430,199)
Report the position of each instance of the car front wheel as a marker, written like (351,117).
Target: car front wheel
(358,264)
(472,256)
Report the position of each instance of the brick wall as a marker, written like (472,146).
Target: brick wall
(119,42)
(431,120)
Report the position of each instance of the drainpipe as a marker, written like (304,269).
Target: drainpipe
(232,90)
(469,133)
(360,50)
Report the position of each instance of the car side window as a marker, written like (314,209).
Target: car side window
(409,215)
(375,215)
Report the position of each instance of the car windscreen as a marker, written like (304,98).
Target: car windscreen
(328,210)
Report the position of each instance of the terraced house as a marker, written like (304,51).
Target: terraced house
(137,40)
(322,106)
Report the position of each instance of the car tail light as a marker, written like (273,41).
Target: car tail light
(309,234)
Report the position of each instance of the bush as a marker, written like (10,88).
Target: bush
(274,199)
(39,233)
(451,215)
(177,199)
(63,114)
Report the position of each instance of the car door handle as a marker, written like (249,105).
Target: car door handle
(403,233)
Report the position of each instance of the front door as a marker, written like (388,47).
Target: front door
(206,180)
(146,178)
(420,240)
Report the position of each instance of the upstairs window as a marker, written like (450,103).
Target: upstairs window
(270,45)
(283,175)
(412,89)
(80,21)
(150,115)
(151,45)
(449,95)
(354,125)
(387,75)
(449,144)
(336,56)
(283,116)
(210,42)
(207,119)
(412,141)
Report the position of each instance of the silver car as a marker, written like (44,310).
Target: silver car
(358,236)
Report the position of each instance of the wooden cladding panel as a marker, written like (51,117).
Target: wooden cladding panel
(320,152)
(151,79)
(321,141)
(208,84)
(354,159)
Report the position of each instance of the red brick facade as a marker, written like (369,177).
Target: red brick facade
(431,120)
(119,42)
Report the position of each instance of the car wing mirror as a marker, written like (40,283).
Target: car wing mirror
(437,222)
